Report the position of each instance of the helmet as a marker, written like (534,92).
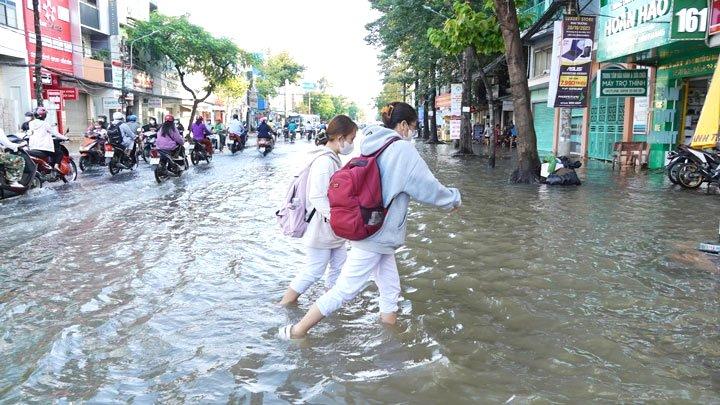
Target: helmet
(263,119)
(118,116)
(29,114)
(40,113)
(132,118)
(169,118)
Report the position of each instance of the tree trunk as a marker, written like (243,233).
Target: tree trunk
(466,128)
(426,108)
(404,92)
(528,170)
(433,118)
(38,53)
(491,112)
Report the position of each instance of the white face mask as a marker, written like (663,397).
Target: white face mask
(27,119)
(347,148)
(411,133)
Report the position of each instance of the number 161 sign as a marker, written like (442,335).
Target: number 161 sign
(690,19)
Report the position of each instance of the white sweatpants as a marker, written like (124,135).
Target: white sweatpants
(356,272)
(317,262)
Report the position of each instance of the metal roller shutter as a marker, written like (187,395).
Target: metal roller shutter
(544,118)
(77,115)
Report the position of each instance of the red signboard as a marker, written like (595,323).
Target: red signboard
(55,31)
(69,93)
(714,26)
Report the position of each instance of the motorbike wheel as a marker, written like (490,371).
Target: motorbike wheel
(689,176)
(73,173)
(194,158)
(208,158)
(36,181)
(114,169)
(160,174)
(674,169)
(84,163)
(233,148)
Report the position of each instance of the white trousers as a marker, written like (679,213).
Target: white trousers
(317,262)
(360,265)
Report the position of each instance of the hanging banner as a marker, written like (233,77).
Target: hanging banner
(708,127)
(55,32)
(456,90)
(575,60)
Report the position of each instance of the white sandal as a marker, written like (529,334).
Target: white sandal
(285,333)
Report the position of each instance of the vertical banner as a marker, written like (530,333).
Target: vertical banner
(555,63)
(575,60)
(455,127)
(55,31)
(456,90)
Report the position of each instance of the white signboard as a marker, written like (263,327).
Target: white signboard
(455,127)
(555,63)
(456,90)
(154,102)
(110,103)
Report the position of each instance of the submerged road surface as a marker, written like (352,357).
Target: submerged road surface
(122,290)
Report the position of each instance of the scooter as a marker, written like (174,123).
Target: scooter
(29,177)
(236,143)
(168,164)
(92,151)
(148,140)
(198,153)
(701,167)
(264,146)
(675,161)
(68,168)
(120,160)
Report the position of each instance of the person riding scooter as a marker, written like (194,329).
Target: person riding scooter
(127,134)
(201,133)
(40,139)
(14,165)
(265,131)
(236,128)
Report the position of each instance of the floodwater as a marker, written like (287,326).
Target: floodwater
(121,290)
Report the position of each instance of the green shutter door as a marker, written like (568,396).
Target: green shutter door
(544,118)
(606,125)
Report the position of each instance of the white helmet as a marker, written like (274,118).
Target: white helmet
(118,116)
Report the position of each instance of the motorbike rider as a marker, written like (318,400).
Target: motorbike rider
(169,138)
(14,165)
(179,126)
(26,124)
(40,139)
(292,128)
(128,136)
(236,128)
(200,134)
(265,131)
(151,126)
(132,123)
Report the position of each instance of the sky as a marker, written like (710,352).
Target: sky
(326,36)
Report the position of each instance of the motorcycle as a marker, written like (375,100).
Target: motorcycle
(29,177)
(199,153)
(676,160)
(264,146)
(701,167)
(92,151)
(148,143)
(168,164)
(215,139)
(236,143)
(120,160)
(68,168)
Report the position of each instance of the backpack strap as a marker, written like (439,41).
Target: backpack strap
(381,150)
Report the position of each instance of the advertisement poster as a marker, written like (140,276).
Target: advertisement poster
(575,60)
(455,126)
(55,31)
(456,99)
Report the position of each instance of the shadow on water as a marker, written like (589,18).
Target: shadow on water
(120,289)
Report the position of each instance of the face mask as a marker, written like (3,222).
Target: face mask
(347,148)
(412,133)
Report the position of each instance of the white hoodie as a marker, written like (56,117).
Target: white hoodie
(404,175)
(318,234)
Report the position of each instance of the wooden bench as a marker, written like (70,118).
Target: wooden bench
(630,154)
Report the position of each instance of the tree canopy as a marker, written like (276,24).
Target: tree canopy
(275,71)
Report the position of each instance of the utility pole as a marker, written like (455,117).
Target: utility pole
(38,53)
(250,87)
(123,95)
(563,148)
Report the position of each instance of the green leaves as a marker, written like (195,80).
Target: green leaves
(275,71)
(475,26)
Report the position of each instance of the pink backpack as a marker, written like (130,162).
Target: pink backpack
(356,203)
(293,217)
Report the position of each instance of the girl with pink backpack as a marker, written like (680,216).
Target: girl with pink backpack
(324,248)
(404,175)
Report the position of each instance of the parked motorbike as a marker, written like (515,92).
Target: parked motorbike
(676,160)
(702,166)
(236,143)
(265,146)
(92,151)
(121,161)
(168,164)
(198,153)
(29,178)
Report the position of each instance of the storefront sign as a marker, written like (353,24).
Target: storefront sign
(629,27)
(689,19)
(623,83)
(154,102)
(69,93)
(456,90)
(117,74)
(111,103)
(574,55)
(55,96)
(55,31)
(713,31)
(455,129)
(142,80)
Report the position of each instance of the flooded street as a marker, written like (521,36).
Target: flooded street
(122,290)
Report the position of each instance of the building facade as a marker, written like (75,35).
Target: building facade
(14,81)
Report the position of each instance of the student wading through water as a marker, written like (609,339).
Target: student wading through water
(404,176)
(323,247)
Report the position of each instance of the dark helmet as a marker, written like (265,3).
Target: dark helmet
(132,118)
(235,116)
(30,114)
(40,113)
(169,118)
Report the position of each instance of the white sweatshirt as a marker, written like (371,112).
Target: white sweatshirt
(318,234)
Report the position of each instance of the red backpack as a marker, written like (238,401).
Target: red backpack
(355,193)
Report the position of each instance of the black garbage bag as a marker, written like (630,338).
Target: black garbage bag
(570,163)
(563,177)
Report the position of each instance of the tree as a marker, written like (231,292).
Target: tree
(528,170)
(276,71)
(233,90)
(38,53)
(353,111)
(320,104)
(189,49)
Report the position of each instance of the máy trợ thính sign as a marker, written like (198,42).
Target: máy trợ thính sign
(623,83)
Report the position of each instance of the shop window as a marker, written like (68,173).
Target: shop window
(8,13)
(541,62)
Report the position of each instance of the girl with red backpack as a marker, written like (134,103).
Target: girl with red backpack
(324,248)
(404,175)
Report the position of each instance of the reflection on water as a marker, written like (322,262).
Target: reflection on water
(116,290)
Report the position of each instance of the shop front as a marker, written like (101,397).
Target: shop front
(668,38)
(544,120)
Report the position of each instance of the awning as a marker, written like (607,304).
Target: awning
(708,127)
